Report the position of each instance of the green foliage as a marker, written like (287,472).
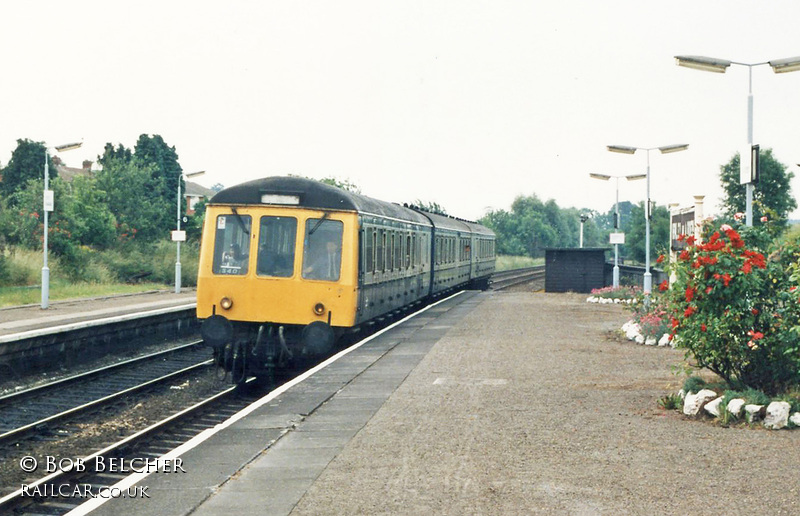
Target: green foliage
(533,225)
(344,184)
(735,311)
(694,384)
(27,163)
(659,232)
(430,207)
(772,195)
(670,402)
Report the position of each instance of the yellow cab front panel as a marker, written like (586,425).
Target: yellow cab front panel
(276,264)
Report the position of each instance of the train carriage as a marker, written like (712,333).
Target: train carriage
(288,264)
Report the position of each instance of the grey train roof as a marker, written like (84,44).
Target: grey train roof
(315,195)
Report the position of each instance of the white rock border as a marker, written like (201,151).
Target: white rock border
(608,300)
(774,416)
(634,333)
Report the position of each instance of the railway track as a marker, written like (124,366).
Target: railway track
(38,409)
(505,279)
(140,452)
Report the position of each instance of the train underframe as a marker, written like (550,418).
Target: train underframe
(245,349)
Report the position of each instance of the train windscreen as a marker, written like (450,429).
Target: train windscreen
(276,240)
(322,249)
(231,244)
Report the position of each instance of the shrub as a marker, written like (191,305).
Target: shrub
(693,384)
(735,310)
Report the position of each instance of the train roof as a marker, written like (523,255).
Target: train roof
(308,193)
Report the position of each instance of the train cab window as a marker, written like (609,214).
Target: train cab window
(231,245)
(322,249)
(276,239)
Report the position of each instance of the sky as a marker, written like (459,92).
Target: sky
(468,104)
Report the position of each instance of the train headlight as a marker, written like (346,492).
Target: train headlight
(226,303)
(319,309)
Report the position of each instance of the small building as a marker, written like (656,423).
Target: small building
(574,269)
(195,193)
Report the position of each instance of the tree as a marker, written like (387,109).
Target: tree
(344,184)
(772,193)
(166,173)
(659,233)
(430,207)
(27,162)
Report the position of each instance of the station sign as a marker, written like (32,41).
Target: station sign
(616,238)
(48,200)
(749,164)
(179,236)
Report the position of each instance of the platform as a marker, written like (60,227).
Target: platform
(31,318)
(505,403)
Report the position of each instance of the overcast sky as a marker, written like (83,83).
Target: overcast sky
(468,104)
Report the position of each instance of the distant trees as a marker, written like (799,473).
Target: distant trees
(533,225)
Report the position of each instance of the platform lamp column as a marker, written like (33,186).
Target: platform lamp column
(712,64)
(47,207)
(606,177)
(666,149)
(178,235)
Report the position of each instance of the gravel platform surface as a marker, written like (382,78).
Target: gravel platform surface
(533,406)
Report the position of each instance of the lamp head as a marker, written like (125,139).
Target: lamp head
(604,177)
(673,148)
(622,149)
(707,64)
(790,64)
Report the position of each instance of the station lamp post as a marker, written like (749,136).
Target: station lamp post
(712,64)
(606,177)
(178,236)
(666,149)
(48,203)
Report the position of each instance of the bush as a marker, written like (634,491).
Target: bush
(736,311)
(693,384)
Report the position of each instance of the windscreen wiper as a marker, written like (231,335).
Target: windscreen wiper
(240,220)
(319,223)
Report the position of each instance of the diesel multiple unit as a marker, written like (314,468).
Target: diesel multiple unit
(288,264)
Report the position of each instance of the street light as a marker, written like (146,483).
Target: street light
(178,236)
(712,64)
(47,207)
(606,177)
(666,149)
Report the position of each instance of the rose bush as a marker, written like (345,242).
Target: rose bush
(734,306)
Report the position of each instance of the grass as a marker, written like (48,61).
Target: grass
(60,290)
(105,274)
(507,263)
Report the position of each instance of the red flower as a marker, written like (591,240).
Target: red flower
(660,259)
(726,279)
(684,255)
(754,311)
(690,294)
(689,311)
(703,327)
(746,267)
(691,240)
(663,286)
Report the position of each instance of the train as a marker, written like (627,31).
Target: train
(288,265)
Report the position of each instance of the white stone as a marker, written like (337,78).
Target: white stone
(777,415)
(735,406)
(795,419)
(693,403)
(650,341)
(712,407)
(639,339)
(664,340)
(754,412)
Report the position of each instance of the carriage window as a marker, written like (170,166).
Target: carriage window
(276,240)
(382,252)
(231,245)
(369,250)
(398,251)
(409,251)
(322,249)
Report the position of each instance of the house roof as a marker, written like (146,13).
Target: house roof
(194,189)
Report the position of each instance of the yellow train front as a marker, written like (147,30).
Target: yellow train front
(287,264)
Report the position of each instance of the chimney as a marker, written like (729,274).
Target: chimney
(87,165)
